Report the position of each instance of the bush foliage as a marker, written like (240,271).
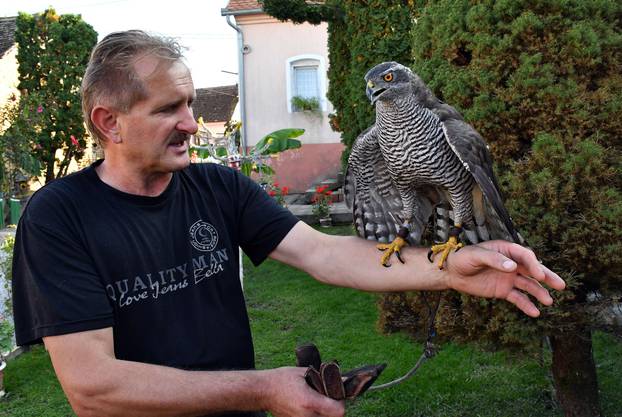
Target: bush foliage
(541,82)
(52,55)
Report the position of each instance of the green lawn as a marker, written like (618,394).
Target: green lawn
(288,308)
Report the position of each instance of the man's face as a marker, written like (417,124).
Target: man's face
(155,131)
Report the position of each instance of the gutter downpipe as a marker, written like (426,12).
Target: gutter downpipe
(242,115)
(241,85)
(242,96)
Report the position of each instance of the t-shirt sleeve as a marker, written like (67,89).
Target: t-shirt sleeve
(55,287)
(262,222)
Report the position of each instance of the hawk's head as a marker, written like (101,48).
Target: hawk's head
(388,81)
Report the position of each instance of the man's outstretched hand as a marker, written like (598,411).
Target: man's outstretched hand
(504,270)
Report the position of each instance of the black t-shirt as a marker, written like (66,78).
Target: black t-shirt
(162,271)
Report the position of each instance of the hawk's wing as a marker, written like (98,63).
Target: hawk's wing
(375,202)
(472,151)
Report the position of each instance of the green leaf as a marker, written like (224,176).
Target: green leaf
(246,167)
(265,169)
(280,140)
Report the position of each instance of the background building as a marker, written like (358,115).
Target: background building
(282,60)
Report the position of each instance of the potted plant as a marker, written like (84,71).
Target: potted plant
(322,199)
(306,104)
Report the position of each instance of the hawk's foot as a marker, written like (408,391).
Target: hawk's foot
(445,248)
(394,247)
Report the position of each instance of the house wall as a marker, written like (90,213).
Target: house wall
(299,169)
(217,128)
(271,43)
(8,74)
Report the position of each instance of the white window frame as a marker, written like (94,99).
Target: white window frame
(303,60)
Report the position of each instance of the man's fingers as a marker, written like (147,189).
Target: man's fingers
(528,264)
(526,260)
(485,257)
(523,302)
(552,279)
(327,407)
(534,288)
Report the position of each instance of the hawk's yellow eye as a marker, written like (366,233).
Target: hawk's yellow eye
(388,77)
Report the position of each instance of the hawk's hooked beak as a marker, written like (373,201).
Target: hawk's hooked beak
(372,92)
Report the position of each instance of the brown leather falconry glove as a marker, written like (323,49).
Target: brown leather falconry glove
(327,379)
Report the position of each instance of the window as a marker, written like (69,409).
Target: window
(306,78)
(306,82)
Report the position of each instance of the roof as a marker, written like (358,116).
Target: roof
(238,5)
(215,104)
(7,33)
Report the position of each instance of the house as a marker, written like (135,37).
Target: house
(278,62)
(8,59)
(216,106)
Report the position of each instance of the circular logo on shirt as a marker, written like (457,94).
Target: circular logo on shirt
(203,236)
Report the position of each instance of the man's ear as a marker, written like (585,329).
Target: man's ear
(105,120)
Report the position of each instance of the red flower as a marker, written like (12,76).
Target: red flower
(40,109)
(74,141)
(284,190)
(276,184)
(321,188)
(271,193)
(329,192)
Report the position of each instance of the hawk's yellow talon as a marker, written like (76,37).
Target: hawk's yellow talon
(391,248)
(445,249)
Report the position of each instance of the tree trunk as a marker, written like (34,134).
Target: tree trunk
(49,166)
(574,373)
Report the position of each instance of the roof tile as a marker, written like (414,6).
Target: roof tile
(216,104)
(7,33)
(238,5)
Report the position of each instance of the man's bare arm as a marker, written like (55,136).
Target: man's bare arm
(494,269)
(98,384)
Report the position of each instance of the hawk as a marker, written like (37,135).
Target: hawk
(421,164)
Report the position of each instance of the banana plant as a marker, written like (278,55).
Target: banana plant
(226,151)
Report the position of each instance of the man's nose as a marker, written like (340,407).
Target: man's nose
(187,124)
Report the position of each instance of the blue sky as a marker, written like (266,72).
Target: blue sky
(199,26)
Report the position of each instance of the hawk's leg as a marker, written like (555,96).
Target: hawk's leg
(445,248)
(394,247)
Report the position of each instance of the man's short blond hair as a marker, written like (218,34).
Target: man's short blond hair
(110,78)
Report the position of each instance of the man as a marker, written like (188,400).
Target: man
(127,270)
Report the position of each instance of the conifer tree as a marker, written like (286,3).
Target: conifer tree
(540,80)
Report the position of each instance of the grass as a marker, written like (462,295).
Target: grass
(32,388)
(288,308)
